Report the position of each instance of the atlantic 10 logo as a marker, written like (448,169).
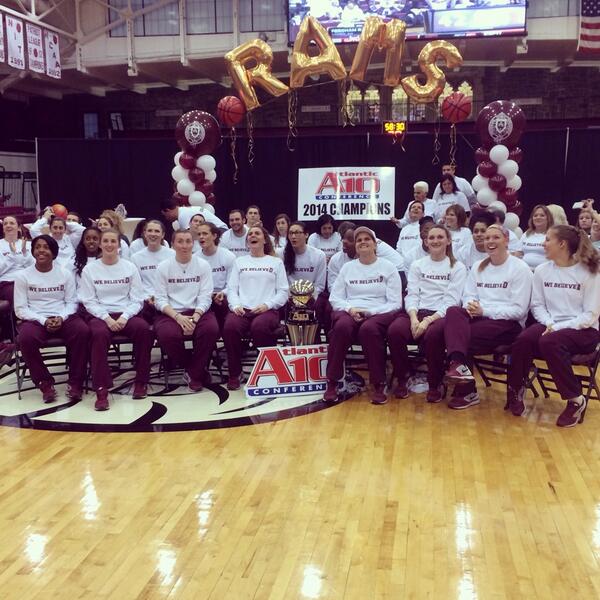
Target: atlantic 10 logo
(349,185)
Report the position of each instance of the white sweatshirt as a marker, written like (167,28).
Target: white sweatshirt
(237,244)
(329,246)
(461,238)
(41,295)
(311,265)
(469,255)
(446,200)
(334,266)
(221,263)
(503,291)
(415,253)
(106,289)
(532,247)
(409,238)
(254,281)
(463,186)
(374,288)
(139,245)
(12,262)
(435,285)
(187,212)
(184,286)
(384,250)
(565,297)
(430,206)
(147,263)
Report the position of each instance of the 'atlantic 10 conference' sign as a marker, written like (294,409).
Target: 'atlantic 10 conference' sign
(350,193)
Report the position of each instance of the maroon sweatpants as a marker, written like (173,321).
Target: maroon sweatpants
(33,336)
(556,349)
(7,292)
(261,328)
(140,334)
(220,311)
(323,311)
(371,334)
(431,342)
(476,335)
(171,339)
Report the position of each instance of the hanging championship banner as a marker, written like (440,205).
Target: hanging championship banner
(2,55)
(362,193)
(51,44)
(14,37)
(35,50)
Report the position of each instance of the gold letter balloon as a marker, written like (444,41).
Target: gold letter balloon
(245,79)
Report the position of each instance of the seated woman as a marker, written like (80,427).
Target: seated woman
(221,262)
(57,227)
(455,220)
(104,223)
(111,292)
(139,237)
(435,283)
(256,290)
(326,238)
(531,244)
(496,301)
(87,250)
(46,302)
(470,253)
(365,298)
(280,232)
(409,237)
(565,304)
(585,220)
(194,228)
(450,194)
(183,288)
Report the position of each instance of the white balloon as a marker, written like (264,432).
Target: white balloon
(498,205)
(511,221)
(197,199)
(210,208)
(479,182)
(179,173)
(509,169)
(210,175)
(176,158)
(499,154)
(515,183)
(519,232)
(175,225)
(206,162)
(485,196)
(185,187)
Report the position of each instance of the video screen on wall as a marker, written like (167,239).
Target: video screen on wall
(425,19)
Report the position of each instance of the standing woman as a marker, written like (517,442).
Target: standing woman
(450,195)
(221,262)
(496,301)
(532,241)
(566,304)
(111,291)
(256,289)
(46,302)
(326,238)
(435,283)
(87,250)
(455,220)
(280,233)
(365,299)
(184,288)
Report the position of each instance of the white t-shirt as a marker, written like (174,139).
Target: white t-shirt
(384,250)
(503,291)
(334,266)
(429,206)
(446,200)
(186,213)
(257,280)
(463,186)
(413,254)
(311,265)
(532,247)
(221,263)
(139,245)
(565,297)
(435,285)
(106,289)
(461,238)
(329,246)
(237,244)
(147,262)
(184,285)
(41,295)
(409,238)
(12,262)
(469,255)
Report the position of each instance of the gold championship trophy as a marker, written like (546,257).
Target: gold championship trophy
(301,321)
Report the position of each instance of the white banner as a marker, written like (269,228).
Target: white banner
(14,37)
(35,50)
(2,54)
(353,193)
(52,54)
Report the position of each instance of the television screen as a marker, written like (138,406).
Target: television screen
(425,19)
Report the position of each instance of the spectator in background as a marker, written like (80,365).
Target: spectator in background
(531,244)
(420,191)
(559,216)
(449,195)
(461,183)
(253,216)
(280,231)
(469,254)
(455,220)
(585,220)
(326,238)
(234,239)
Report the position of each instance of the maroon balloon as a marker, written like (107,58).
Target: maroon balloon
(517,208)
(181,200)
(187,161)
(207,188)
(196,176)
(197,133)
(516,154)
(481,154)
(487,168)
(509,197)
(211,198)
(500,122)
(497,182)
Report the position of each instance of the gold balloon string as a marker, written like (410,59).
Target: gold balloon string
(437,145)
(232,152)
(292,113)
(346,109)
(250,130)
(453,145)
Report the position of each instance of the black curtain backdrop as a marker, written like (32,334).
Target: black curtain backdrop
(90,175)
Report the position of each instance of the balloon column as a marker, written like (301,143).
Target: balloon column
(500,125)
(198,135)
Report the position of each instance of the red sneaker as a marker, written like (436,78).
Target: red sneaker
(233,383)
(331,392)
(74,392)
(515,401)
(464,396)
(435,395)
(401,391)
(140,390)
(48,391)
(573,413)
(193,384)
(101,399)
(458,372)
(378,396)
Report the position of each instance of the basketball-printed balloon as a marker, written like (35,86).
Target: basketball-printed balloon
(231,111)
(456,107)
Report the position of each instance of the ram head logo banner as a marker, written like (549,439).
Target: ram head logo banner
(500,127)
(195,133)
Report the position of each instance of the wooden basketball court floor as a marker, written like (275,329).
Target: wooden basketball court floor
(406,500)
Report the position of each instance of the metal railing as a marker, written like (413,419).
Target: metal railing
(18,189)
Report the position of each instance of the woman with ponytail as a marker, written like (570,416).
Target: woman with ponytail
(566,306)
